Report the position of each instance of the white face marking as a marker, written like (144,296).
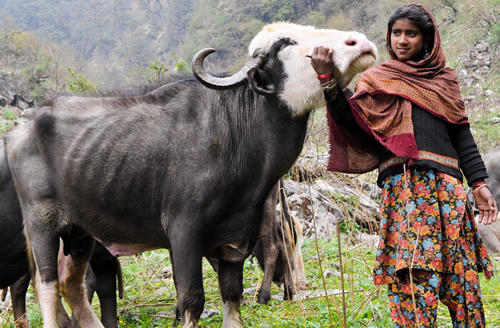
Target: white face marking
(302,91)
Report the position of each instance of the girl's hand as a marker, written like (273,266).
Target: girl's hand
(486,204)
(322,60)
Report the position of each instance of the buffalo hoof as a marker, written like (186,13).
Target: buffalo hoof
(263,297)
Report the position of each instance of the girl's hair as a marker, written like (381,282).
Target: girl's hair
(420,18)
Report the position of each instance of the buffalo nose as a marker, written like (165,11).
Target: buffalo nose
(361,44)
(351,42)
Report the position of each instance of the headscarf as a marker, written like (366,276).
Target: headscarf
(382,106)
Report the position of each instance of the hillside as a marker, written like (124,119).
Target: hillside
(116,43)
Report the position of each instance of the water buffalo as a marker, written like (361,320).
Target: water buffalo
(187,166)
(278,249)
(15,274)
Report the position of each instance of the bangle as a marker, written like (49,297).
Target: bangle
(324,76)
(329,85)
(328,88)
(479,186)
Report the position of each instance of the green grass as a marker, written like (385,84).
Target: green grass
(486,134)
(8,120)
(4,127)
(150,298)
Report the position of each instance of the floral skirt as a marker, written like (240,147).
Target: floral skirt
(427,224)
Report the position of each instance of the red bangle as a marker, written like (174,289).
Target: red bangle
(479,186)
(324,76)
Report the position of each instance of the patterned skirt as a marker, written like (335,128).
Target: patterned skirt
(426,223)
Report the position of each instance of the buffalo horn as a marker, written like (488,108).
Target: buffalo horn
(221,83)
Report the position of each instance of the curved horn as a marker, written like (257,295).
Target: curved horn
(221,83)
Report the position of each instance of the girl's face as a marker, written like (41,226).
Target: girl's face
(407,41)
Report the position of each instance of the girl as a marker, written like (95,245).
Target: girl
(407,119)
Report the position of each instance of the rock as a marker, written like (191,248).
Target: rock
(313,204)
(10,95)
(482,46)
(208,313)
(250,291)
(164,292)
(367,239)
(167,272)
(7,90)
(489,93)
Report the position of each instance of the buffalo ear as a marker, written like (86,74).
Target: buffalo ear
(260,82)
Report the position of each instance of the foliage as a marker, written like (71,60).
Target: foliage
(9,115)
(180,65)
(79,83)
(159,70)
(487,135)
(495,34)
(4,127)
(34,64)
(118,38)
(7,120)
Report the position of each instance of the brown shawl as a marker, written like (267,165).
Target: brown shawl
(382,107)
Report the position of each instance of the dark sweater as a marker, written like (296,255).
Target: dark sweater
(443,146)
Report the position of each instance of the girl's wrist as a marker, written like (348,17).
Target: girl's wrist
(478,186)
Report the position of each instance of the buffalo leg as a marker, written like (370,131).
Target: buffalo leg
(18,295)
(90,287)
(286,278)
(231,289)
(105,267)
(270,257)
(44,246)
(267,249)
(188,279)
(299,273)
(72,280)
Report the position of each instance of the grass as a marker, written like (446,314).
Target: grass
(7,120)
(4,127)
(150,297)
(486,134)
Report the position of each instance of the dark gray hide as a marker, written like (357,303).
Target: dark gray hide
(183,167)
(14,266)
(13,259)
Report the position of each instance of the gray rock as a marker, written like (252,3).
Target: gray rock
(208,313)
